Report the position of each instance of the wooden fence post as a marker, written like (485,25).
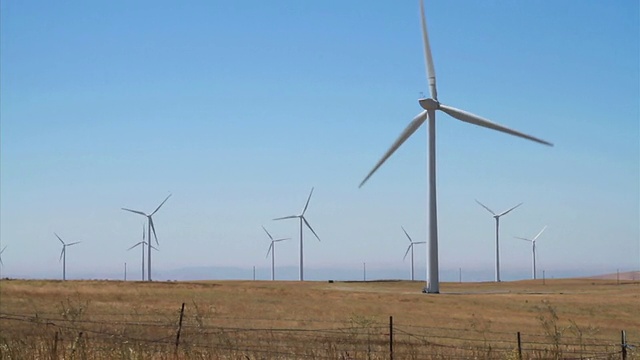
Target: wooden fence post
(391,337)
(179,329)
(519,347)
(55,346)
(624,345)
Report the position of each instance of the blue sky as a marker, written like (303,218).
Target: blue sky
(239,108)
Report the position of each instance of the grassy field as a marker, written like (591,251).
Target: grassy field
(288,320)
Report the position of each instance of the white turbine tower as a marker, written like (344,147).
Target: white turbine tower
(497,217)
(533,249)
(150,228)
(302,220)
(272,250)
(430,106)
(411,243)
(63,255)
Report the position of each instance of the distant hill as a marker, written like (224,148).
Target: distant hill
(627,276)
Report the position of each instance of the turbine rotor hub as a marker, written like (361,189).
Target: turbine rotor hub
(429,104)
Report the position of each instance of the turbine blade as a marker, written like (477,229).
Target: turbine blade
(506,212)
(477,120)
(59,239)
(1,251)
(265,230)
(419,242)
(153,228)
(73,243)
(269,251)
(431,72)
(489,210)
(283,239)
(134,211)
(310,228)
(61,253)
(406,133)
(521,238)
(154,248)
(307,204)
(405,254)
(159,206)
(135,245)
(408,237)
(534,238)
(287,217)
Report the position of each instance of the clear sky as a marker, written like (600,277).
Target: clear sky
(239,108)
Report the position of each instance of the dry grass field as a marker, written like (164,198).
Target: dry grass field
(573,318)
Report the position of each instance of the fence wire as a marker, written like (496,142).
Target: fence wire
(142,336)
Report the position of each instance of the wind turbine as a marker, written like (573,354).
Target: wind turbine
(411,243)
(533,248)
(150,227)
(430,106)
(497,217)
(302,220)
(63,255)
(142,244)
(1,251)
(272,250)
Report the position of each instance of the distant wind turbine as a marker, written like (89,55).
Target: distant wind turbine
(430,106)
(150,228)
(63,255)
(142,243)
(533,249)
(1,251)
(302,220)
(497,217)
(272,250)
(411,243)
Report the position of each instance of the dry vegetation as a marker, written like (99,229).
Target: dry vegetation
(317,320)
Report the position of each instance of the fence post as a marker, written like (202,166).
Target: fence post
(519,347)
(179,329)
(391,337)
(55,346)
(624,345)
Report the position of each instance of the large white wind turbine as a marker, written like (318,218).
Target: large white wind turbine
(533,249)
(411,243)
(302,220)
(272,250)
(150,228)
(63,255)
(497,217)
(430,106)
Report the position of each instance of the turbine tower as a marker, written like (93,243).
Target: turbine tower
(63,255)
(302,220)
(533,249)
(497,217)
(430,106)
(411,243)
(272,250)
(150,228)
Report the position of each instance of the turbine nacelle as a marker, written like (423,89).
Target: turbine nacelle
(429,104)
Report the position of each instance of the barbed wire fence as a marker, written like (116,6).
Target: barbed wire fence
(192,333)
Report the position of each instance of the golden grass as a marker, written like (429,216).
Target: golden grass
(486,312)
